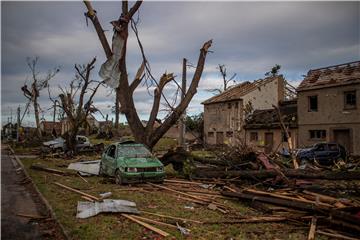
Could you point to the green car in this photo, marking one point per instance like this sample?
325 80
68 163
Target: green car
131 162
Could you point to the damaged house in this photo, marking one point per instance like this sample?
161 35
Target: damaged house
263 129
329 108
224 114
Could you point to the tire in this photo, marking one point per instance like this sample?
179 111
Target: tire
101 170
58 150
118 179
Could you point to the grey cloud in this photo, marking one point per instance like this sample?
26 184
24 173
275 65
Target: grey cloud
249 37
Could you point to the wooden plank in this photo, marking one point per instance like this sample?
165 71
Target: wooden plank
46 169
286 197
148 226
171 217
336 235
31 216
181 181
325 198
250 220
87 199
77 191
312 231
82 178
155 222
182 193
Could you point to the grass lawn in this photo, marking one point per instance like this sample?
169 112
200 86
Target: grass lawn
114 226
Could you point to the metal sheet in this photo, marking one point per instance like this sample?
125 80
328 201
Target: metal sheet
86 168
89 209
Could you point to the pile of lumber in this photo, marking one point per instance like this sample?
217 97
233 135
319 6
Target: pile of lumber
335 217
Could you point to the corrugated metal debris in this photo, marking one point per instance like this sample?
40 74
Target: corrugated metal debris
86 168
90 209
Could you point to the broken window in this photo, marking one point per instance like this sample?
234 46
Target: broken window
229 105
313 103
253 136
111 151
317 134
350 99
236 105
210 134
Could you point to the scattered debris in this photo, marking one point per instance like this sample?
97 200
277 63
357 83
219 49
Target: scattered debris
46 169
31 216
77 191
105 195
183 231
189 207
171 217
148 226
86 168
89 209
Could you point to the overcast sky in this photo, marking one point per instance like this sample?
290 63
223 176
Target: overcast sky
249 38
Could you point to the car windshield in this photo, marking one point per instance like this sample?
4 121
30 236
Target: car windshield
134 151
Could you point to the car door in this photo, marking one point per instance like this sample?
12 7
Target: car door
79 142
320 153
110 160
334 151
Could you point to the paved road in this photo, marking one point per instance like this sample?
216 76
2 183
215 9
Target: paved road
19 197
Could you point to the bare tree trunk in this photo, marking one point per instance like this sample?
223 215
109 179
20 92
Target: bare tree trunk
146 135
37 119
117 109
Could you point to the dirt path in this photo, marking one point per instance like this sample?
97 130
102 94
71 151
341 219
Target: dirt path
18 196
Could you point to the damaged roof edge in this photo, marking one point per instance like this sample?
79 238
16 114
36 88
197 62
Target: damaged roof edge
236 92
332 76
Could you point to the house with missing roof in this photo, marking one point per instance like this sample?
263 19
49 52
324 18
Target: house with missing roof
329 106
263 130
225 114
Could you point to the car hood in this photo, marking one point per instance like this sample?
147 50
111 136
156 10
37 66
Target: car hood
55 141
142 162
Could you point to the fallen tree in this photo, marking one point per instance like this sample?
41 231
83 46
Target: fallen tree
290 173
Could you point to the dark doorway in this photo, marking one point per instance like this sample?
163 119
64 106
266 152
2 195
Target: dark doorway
219 138
342 136
269 142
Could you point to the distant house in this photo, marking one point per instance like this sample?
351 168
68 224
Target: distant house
224 114
48 126
90 126
104 125
329 106
263 130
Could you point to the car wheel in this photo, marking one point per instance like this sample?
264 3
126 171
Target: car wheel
58 150
118 179
101 170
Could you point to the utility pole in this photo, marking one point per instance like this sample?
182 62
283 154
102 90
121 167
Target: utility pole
18 124
11 115
182 119
54 114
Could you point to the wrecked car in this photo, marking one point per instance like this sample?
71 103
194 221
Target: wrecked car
323 153
131 162
58 144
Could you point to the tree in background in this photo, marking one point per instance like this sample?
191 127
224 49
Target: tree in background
83 89
226 81
38 84
195 124
274 71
